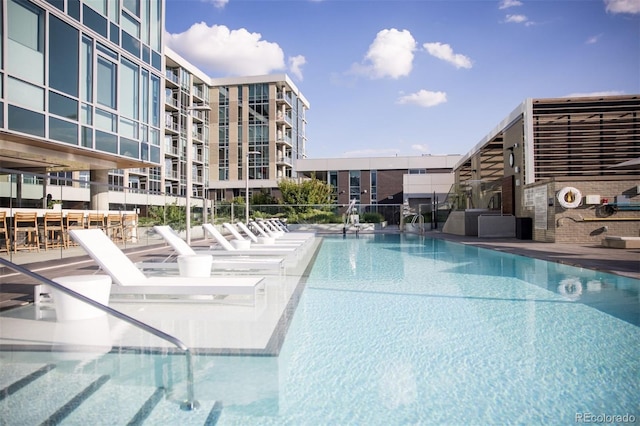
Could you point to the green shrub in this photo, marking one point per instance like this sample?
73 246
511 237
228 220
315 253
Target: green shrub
371 217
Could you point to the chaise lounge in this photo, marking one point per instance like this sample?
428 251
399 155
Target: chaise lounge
129 280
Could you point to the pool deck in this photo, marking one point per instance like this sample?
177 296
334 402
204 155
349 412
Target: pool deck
226 328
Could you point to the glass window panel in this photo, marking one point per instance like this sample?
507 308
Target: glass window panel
63 56
25 94
94 20
25 44
131 44
144 21
146 54
155 155
114 11
104 49
128 128
87 137
106 83
86 70
156 60
129 148
106 120
144 152
99 6
59 4
63 106
144 105
1 114
155 101
155 25
132 6
86 114
129 89
155 137
25 121
63 131
106 142
114 34
130 25
73 9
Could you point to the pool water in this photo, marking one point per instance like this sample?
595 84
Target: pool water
402 329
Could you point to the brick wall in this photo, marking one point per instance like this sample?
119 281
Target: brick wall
591 223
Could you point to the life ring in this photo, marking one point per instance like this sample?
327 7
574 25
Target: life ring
569 197
570 288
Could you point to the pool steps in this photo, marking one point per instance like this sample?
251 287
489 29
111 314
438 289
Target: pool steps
88 398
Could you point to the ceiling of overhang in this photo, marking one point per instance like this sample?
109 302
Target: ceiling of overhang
31 155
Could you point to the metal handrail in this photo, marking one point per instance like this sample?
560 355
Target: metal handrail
190 403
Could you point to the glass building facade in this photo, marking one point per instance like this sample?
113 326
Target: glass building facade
84 78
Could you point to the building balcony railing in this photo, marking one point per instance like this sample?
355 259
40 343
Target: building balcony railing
284 97
284 160
284 118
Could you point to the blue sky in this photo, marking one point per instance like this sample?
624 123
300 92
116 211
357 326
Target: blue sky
401 77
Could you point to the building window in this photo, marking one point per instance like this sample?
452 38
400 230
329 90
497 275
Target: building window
25 47
107 72
354 185
374 187
61 178
63 57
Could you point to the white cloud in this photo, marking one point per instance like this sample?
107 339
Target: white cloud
505 4
423 98
445 52
518 19
594 39
594 94
622 6
219 4
295 65
390 55
219 50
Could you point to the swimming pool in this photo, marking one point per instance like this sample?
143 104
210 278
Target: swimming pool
395 329
390 329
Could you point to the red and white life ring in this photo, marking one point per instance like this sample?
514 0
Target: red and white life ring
569 197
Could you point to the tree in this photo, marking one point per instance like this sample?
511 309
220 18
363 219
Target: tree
304 195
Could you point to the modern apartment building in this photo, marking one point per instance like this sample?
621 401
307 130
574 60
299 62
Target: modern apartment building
258 119
81 92
260 131
84 87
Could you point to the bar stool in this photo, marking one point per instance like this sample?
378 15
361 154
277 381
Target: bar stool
26 223
130 227
54 231
73 221
95 220
4 232
115 231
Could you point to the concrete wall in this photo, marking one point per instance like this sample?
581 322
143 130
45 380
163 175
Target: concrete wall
496 226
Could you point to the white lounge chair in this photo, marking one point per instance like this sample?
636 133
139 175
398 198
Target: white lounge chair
230 263
280 226
129 280
228 248
262 242
267 232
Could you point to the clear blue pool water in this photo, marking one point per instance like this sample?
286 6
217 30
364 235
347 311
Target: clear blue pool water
395 329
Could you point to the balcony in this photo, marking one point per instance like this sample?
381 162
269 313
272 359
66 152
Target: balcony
171 76
284 140
284 118
284 160
284 97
